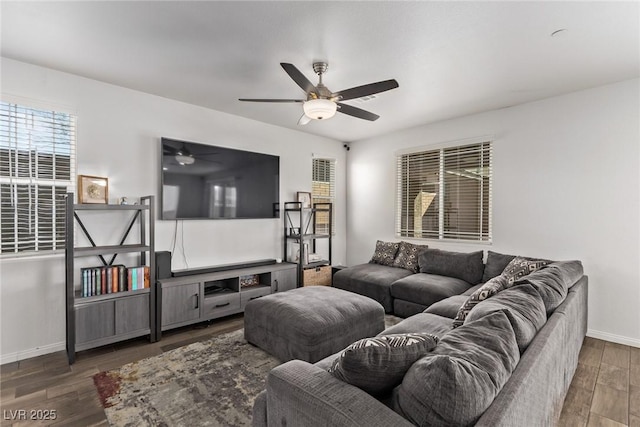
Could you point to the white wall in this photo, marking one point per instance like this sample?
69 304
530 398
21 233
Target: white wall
118 137
566 186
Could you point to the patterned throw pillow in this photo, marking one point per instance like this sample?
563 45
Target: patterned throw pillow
378 364
385 253
407 256
490 288
520 267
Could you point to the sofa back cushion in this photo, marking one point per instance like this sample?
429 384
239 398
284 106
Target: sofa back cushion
517 268
456 382
378 364
524 308
465 266
495 265
553 282
385 253
407 256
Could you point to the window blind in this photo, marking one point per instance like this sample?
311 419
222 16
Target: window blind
445 193
37 169
323 183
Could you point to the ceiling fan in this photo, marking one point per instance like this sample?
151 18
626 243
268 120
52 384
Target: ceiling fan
321 103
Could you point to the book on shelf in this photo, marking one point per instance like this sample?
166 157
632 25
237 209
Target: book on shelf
122 281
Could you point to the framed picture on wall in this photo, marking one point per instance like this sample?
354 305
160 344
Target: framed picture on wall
93 189
304 198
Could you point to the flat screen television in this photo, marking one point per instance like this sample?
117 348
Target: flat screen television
200 181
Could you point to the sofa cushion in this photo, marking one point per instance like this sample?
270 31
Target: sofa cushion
425 289
385 253
421 322
407 256
487 290
553 281
378 364
465 266
495 265
371 280
404 309
472 289
523 306
447 307
520 267
457 381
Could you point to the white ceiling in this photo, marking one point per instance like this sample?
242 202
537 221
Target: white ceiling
450 58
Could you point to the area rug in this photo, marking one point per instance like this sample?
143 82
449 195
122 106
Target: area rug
209 383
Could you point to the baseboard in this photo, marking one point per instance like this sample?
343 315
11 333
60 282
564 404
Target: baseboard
613 338
27 354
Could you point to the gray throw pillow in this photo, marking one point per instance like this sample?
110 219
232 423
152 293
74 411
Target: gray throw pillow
524 308
454 384
464 266
487 290
495 265
521 266
407 256
378 364
385 253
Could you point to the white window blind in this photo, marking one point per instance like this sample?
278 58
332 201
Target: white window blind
37 168
323 184
445 193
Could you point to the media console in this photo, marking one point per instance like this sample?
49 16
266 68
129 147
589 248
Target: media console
223 267
197 295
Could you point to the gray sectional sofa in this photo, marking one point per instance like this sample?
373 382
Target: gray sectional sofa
509 364
439 275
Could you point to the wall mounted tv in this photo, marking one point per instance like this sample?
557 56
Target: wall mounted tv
200 181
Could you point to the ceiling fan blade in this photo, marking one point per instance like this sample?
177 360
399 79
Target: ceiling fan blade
366 90
357 112
271 100
298 77
304 119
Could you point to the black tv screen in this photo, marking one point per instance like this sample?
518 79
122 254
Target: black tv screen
200 181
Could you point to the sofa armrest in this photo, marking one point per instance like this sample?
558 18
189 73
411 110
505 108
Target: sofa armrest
301 394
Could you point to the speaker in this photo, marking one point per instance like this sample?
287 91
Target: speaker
163 265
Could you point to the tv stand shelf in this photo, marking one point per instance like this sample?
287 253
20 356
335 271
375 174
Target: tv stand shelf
195 298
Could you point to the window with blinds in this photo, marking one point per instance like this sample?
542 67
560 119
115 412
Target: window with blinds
323 183
37 168
445 193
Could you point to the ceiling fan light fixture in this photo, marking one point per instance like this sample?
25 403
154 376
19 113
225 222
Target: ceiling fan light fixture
319 109
184 160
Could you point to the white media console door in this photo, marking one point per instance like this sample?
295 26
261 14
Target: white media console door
195 298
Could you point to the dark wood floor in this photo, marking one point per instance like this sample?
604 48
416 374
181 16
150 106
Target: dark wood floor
49 383
605 390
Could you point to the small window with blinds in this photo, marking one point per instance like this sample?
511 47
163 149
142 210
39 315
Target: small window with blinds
323 183
445 193
37 168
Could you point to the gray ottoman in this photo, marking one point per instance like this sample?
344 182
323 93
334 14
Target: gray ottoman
310 323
